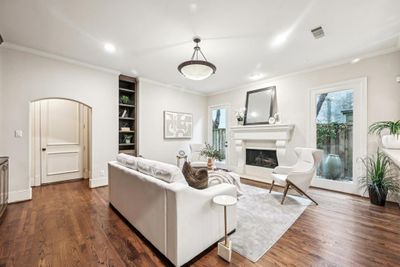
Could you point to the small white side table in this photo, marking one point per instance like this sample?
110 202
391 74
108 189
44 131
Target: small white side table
225 247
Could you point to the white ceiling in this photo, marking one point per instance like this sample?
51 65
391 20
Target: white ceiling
153 36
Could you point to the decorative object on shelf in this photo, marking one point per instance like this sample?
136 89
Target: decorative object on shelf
271 120
127 138
124 113
125 129
177 125
333 167
391 140
225 246
124 99
195 68
260 106
212 154
380 178
240 116
277 118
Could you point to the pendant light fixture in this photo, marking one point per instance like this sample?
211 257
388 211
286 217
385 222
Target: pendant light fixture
197 68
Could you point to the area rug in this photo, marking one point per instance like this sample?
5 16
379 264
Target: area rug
262 220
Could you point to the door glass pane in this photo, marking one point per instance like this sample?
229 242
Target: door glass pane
335 134
219 130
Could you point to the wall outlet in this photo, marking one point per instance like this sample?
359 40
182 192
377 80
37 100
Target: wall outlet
102 173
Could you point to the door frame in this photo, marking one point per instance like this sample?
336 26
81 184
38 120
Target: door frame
360 131
35 153
227 106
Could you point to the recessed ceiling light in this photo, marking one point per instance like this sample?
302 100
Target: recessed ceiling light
110 48
134 72
355 60
256 76
193 7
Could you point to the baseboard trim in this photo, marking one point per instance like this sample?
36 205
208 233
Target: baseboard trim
97 182
20 195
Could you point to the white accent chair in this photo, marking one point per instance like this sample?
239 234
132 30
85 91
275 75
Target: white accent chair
197 161
298 176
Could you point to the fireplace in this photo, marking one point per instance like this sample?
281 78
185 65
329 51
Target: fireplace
264 158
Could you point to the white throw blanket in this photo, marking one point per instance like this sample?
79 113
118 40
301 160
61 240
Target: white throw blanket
219 177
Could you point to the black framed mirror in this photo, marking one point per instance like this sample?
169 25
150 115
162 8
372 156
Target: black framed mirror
260 105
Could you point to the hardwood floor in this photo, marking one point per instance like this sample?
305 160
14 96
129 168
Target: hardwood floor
71 225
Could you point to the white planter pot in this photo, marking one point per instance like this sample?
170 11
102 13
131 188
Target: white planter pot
391 141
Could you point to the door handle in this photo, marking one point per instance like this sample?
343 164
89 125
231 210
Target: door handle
44 149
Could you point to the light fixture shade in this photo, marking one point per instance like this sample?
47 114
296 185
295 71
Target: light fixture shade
197 69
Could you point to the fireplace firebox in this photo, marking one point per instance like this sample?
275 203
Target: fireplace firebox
261 158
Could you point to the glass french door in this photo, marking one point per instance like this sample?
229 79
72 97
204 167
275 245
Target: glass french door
218 132
338 128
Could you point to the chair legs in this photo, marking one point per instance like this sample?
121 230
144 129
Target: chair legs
272 185
285 192
301 192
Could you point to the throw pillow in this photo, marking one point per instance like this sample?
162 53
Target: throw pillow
196 178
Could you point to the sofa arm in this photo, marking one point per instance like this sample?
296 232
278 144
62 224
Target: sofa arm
194 222
220 189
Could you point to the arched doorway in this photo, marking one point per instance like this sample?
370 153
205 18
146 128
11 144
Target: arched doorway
60 140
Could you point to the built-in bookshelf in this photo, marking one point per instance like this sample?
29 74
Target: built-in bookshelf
127 106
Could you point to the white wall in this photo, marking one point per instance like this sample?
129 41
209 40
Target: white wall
293 94
28 77
154 99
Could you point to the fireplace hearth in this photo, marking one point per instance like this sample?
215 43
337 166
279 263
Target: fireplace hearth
264 158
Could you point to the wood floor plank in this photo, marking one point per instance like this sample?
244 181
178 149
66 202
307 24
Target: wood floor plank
71 225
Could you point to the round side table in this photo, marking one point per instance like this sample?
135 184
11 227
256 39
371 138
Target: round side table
225 247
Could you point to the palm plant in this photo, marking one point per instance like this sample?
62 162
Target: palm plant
379 178
379 126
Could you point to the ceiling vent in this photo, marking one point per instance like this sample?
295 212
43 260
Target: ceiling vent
318 32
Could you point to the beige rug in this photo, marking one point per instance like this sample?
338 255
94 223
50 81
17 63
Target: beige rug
262 220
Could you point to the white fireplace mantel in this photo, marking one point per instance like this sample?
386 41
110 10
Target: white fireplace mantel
277 135
277 132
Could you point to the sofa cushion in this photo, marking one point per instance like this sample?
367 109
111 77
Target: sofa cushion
196 178
127 161
163 171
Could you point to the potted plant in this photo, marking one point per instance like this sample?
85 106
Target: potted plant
127 138
212 154
391 140
379 178
240 116
124 99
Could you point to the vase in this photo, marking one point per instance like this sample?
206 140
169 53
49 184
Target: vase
127 141
333 167
391 141
375 198
210 164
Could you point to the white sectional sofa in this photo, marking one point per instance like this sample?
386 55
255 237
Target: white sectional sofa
178 220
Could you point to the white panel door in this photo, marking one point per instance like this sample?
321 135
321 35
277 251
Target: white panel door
61 141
